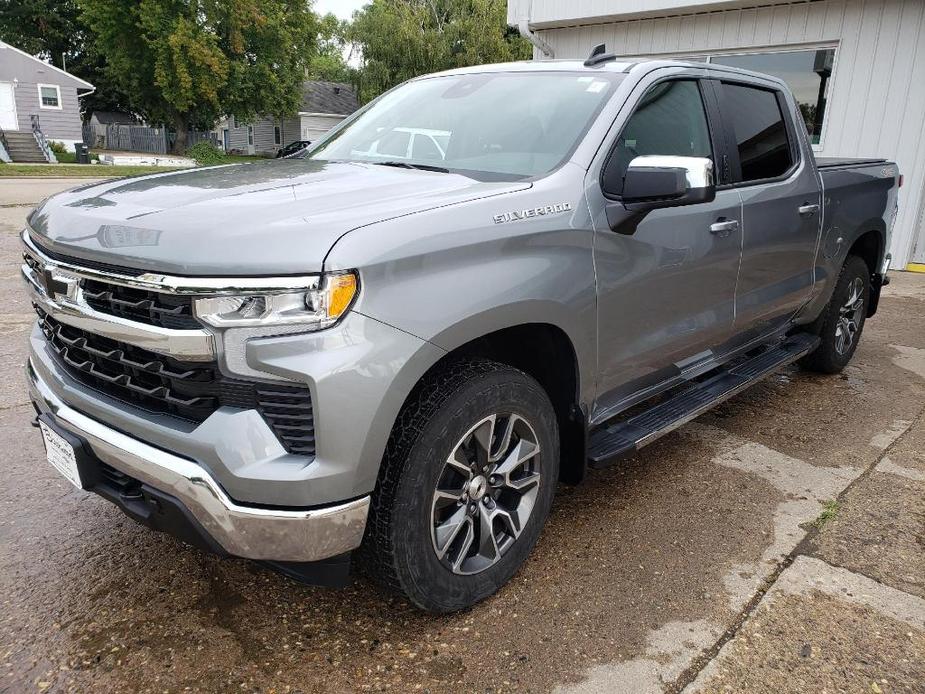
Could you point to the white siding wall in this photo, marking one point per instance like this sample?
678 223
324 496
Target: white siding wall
877 95
264 142
313 127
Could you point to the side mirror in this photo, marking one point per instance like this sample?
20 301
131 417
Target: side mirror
657 181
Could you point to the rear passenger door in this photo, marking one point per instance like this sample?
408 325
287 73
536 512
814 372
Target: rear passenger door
771 166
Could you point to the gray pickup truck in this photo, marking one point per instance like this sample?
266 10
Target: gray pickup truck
389 352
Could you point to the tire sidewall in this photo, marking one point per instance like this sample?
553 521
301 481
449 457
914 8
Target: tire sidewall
424 578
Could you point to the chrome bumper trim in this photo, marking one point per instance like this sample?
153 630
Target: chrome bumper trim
243 531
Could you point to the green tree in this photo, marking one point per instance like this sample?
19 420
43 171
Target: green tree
53 31
185 63
49 29
400 39
328 62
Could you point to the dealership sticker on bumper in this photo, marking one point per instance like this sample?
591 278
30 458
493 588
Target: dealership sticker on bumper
61 455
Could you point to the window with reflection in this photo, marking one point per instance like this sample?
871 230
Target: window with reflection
807 73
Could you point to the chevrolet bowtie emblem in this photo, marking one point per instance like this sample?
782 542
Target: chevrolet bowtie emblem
59 287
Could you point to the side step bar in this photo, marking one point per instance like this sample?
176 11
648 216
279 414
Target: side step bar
609 443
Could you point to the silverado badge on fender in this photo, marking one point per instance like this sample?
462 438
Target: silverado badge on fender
520 215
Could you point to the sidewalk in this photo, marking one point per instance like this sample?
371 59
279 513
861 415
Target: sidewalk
848 614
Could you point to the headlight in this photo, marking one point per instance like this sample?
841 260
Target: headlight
317 307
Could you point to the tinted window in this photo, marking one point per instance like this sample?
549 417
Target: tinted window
760 133
807 73
670 119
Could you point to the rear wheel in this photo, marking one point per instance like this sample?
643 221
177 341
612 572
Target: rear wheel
467 483
842 321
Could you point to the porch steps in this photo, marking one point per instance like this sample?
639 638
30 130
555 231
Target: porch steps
22 147
626 436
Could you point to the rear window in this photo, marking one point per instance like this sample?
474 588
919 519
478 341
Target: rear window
760 131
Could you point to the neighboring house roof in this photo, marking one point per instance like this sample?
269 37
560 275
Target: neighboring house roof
14 62
113 118
328 97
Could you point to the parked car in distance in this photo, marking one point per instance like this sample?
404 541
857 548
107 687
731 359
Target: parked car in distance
379 358
292 148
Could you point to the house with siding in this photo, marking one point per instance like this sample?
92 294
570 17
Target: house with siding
857 68
324 105
34 94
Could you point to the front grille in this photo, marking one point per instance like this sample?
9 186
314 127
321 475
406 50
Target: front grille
189 390
140 305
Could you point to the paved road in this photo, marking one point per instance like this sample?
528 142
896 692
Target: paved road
649 577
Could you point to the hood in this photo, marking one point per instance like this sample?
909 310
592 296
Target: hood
270 218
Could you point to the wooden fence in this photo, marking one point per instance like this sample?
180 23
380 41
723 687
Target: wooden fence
140 138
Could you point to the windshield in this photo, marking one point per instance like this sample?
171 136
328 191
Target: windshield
502 124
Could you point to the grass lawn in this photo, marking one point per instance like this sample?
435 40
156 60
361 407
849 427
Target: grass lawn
78 170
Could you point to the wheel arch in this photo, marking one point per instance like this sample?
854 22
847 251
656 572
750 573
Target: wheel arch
544 351
869 246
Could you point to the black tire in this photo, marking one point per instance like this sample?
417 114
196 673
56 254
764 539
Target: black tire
400 546
832 355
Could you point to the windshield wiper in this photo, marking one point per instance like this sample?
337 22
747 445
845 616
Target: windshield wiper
409 165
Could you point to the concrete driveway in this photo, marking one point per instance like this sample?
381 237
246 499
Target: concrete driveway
775 544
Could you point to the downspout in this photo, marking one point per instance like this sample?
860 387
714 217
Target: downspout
523 26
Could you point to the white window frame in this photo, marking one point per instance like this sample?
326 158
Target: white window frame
250 135
57 89
708 53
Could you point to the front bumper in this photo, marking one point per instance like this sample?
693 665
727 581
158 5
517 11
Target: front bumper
261 533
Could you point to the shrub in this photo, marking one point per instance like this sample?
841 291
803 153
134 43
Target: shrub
206 154
57 147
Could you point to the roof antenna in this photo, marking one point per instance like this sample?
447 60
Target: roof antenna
599 55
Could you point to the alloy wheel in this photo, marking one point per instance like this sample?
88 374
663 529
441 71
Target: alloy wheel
849 317
485 493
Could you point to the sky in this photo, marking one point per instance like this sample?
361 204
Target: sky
342 8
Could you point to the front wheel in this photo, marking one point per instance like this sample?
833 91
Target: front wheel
466 485
842 321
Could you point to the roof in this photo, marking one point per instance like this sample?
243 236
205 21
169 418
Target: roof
612 66
113 117
17 56
328 97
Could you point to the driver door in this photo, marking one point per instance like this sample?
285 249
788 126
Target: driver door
666 279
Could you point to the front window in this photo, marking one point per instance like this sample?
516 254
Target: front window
488 125
50 96
807 73
669 119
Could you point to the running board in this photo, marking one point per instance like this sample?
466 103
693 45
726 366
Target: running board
610 443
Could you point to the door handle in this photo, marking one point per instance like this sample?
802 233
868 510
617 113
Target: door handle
724 227
808 210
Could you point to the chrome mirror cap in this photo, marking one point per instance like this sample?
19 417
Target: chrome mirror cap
697 170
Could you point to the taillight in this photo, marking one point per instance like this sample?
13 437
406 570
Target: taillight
900 180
